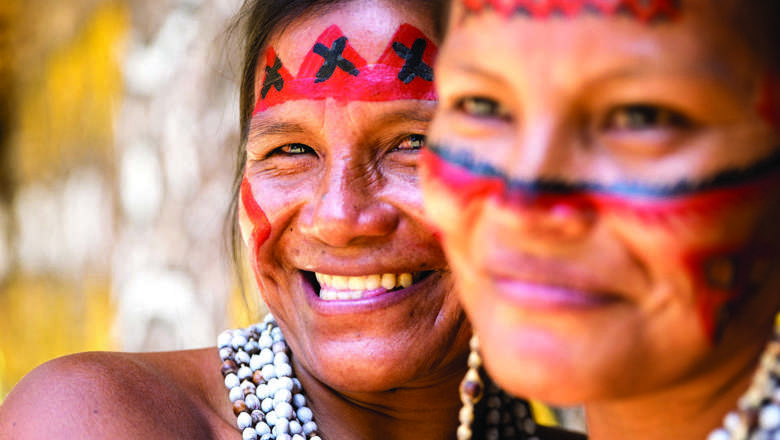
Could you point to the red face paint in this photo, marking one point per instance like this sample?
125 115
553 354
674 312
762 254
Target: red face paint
721 275
261 228
642 10
769 100
333 69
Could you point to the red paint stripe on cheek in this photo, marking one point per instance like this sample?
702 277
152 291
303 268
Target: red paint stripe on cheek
463 185
261 228
769 100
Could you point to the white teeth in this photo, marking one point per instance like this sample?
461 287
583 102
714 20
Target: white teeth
357 283
340 283
405 280
388 281
339 287
373 282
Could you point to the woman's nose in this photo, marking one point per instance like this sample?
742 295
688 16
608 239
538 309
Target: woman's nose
347 208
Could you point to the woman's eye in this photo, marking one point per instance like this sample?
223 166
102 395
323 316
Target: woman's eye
293 149
482 107
644 117
412 143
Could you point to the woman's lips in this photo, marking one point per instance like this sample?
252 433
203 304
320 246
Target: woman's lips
344 288
547 284
537 295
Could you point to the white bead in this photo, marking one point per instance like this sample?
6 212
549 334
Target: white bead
281 358
283 437
268 319
244 420
270 418
236 393
298 437
296 385
719 434
267 405
276 334
266 356
232 381
305 415
251 347
299 400
732 421
224 339
283 396
265 341
268 436
263 391
225 353
316 437
284 409
248 387
268 371
244 373
242 357
283 370
295 427
262 428
249 434
309 427
238 341
273 386
282 426
285 383
252 402
769 418
255 363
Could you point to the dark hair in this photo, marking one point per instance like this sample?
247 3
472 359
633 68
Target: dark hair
255 22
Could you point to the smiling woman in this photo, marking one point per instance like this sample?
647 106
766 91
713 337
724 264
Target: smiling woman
615 169
366 338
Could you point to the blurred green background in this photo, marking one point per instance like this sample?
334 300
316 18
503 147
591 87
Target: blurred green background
118 121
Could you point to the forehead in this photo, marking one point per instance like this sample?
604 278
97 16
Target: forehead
693 35
369 25
643 10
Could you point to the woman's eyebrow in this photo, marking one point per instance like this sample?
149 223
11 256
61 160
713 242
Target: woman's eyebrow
417 114
269 127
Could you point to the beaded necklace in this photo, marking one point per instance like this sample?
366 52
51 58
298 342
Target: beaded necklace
269 403
757 416
267 399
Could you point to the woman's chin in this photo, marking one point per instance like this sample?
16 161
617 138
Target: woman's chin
537 364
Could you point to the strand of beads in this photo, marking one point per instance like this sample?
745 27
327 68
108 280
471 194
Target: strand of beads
758 413
471 390
505 416
267 399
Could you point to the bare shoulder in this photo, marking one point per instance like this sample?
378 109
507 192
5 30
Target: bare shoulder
125 395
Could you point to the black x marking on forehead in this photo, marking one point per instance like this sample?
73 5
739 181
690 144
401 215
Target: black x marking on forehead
272 78
414 65
333 59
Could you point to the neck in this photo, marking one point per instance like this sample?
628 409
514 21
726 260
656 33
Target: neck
426 410
690 409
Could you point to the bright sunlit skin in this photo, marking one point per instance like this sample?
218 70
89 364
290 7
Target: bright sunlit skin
331 185
606 186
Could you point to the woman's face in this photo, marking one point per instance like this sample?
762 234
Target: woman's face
330 205
606 186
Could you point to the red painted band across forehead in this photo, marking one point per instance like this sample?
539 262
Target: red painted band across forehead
643 10
333 69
